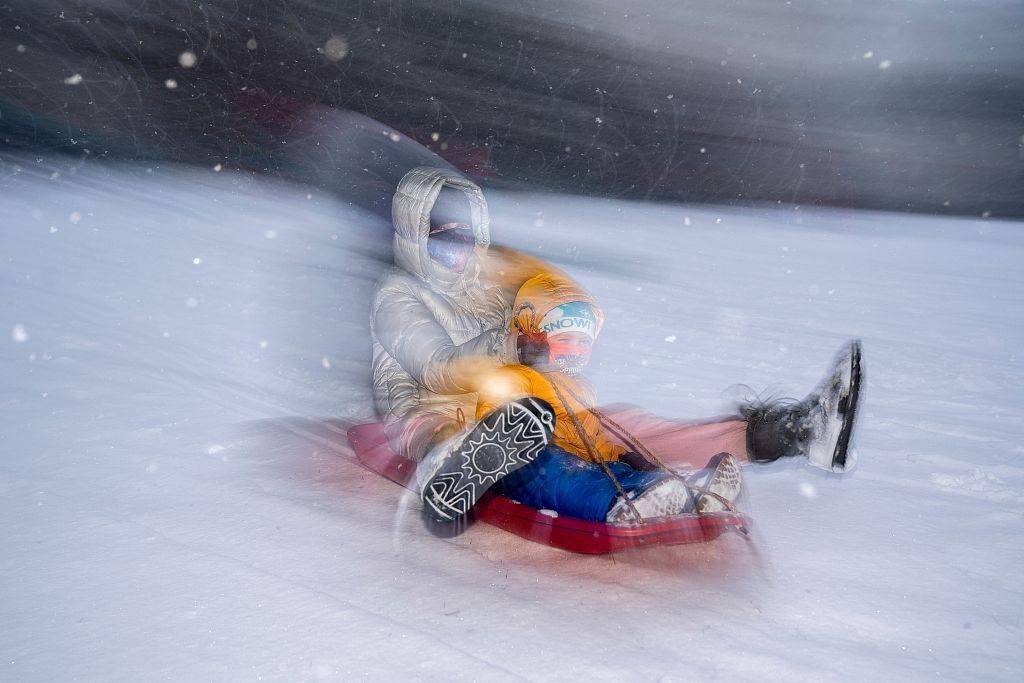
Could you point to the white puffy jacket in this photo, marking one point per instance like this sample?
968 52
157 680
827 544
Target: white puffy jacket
426 320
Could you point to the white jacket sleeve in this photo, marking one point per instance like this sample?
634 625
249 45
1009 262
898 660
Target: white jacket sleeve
405 326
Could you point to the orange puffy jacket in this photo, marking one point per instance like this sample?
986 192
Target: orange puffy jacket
569 396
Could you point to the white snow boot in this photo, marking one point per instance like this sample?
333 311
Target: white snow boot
820 427
716 487
712 489
665 498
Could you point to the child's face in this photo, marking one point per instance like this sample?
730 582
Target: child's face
569 351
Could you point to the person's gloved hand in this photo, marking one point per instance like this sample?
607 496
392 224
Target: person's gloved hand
532 348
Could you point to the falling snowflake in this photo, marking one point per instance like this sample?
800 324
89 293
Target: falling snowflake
187 59
73 79
18 334
336 48
171 84
885 64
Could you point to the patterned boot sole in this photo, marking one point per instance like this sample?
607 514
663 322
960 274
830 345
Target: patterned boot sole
506 440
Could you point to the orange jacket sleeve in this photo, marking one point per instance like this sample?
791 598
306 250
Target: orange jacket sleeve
516 381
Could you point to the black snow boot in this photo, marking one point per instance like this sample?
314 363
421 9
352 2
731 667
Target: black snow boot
459 472
819 427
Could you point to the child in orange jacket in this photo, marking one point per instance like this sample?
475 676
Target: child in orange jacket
586 472
539 438
582 470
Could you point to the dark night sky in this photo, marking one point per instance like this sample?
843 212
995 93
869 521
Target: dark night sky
894 105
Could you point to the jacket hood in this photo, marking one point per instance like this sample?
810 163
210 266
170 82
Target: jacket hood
410 211
543 292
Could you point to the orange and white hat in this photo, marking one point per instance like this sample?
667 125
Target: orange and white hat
572 316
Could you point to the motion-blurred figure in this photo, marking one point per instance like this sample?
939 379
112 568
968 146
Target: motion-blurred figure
478 374
435 322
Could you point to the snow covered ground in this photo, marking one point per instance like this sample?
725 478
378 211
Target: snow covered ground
183 349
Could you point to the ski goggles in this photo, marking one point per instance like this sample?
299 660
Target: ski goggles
451 247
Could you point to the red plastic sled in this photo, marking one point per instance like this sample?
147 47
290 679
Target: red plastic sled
568 533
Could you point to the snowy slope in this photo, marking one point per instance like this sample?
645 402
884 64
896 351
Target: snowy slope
183 350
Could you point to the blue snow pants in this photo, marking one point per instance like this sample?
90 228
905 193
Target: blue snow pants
558 480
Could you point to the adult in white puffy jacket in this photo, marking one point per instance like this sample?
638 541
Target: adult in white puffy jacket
435 321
